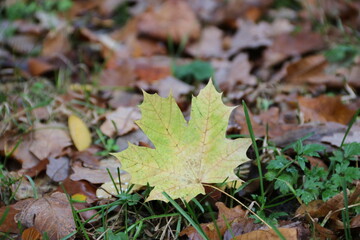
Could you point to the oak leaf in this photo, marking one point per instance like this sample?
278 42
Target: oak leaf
186 154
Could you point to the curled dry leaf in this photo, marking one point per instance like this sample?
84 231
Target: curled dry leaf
49 140
121 121
79 133
173 19
50 214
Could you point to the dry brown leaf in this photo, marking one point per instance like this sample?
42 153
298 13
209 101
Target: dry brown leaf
22 152
121 121
232 76
210 44
121 75
56 42
9 225
49 140
250 35
38 66
82 187
151 73
288 233
289 45
31 234
50 214
58 168
167 85
311 208
355 221
99 175
325 109
225 217
173 19
79 132
124 99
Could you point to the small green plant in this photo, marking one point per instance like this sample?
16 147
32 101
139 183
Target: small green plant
316 182
343 54
193 72
24 9
109 144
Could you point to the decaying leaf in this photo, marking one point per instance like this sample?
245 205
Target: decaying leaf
186 154
79 133
50 214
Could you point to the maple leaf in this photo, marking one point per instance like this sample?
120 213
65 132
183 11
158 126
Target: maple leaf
186 154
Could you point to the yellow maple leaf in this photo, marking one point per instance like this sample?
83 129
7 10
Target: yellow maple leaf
186 154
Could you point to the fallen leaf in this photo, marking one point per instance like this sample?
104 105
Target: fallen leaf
250 35
22 153
210 44
151 73
225 218
309 69
325 109
173 19
137 137
56 42
290 45
31 234
233 76
124 99
49 140
50 214
38 66
79 187
355 221
185 152
121 121
8 225
167 85
99 175
58 168
79 133
288 233
121 75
